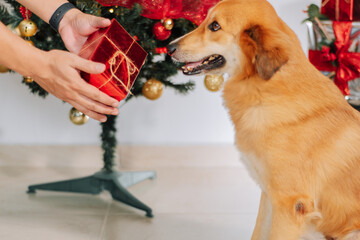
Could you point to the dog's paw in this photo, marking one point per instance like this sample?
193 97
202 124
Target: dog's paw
311 234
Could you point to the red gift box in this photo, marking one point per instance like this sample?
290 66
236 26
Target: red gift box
121 54
341 10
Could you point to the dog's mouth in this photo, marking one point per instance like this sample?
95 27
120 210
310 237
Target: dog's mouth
209 63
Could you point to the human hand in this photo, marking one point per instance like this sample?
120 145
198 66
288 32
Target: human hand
59 75
76 27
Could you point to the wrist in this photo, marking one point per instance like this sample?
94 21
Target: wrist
35 66
59 14
29 63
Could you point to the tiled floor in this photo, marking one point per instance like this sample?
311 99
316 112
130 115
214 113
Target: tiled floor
200 193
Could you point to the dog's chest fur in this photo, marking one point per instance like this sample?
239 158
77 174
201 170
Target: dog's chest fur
255 168
249 124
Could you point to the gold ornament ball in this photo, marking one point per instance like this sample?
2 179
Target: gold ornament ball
28 79
168 23
27 28
3 69
77 117
152 89
14 30
214 83
30 42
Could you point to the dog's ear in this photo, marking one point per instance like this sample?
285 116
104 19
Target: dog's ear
263 50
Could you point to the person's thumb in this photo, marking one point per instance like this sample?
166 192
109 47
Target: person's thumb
99 22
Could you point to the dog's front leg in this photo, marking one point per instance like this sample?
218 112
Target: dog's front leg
263 220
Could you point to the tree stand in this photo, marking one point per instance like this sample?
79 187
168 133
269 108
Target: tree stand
106 179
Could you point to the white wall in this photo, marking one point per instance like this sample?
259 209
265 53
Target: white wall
198 118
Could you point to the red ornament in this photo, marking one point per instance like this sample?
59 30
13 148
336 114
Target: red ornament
160 32
161 50
25 13
195 11
135 38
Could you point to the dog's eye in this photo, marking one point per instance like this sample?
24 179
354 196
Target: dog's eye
214 26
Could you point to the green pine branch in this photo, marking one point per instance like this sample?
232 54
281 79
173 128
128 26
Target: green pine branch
9 16
314 12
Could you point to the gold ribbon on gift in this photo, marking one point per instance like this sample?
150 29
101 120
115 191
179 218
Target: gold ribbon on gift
130 66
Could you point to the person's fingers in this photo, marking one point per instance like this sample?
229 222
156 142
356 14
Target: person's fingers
97 106
87 65
99 22
92 114
70 87
86 89
95 94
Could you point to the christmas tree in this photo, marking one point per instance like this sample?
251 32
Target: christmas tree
152 34
153 24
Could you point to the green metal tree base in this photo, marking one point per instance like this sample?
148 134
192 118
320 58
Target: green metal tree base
113 181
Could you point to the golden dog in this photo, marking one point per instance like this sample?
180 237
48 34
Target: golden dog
300 137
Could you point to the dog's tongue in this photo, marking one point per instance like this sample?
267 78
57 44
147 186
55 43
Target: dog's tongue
193 64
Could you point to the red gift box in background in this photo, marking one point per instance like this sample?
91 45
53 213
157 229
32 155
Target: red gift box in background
341 10
121 54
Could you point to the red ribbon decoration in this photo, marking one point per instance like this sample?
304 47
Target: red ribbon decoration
348 62
193 10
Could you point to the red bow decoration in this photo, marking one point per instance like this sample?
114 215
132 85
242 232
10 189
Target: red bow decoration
161 50
327 55
193 10
348 63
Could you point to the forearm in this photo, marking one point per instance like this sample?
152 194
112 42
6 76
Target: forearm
42 8
17 54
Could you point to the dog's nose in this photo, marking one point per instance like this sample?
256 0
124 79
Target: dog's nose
171 48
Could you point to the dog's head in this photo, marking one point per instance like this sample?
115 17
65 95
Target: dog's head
238 37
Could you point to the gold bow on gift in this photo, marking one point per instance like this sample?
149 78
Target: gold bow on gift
130 66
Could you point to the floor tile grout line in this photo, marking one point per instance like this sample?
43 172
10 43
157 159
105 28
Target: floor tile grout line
105 221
